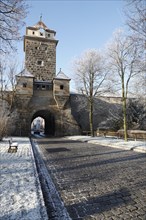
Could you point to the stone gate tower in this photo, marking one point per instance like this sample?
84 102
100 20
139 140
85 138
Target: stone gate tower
40 51
39 90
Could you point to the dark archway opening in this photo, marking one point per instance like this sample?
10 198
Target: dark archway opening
48 124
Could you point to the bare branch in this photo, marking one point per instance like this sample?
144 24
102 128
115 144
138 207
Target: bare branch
90 76
12 14
135 11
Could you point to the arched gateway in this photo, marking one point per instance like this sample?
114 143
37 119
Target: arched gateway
39 90
49 121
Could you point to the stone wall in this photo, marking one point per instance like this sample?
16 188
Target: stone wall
61 87
24 85
44 105
37 51
108 112
102 110
70 119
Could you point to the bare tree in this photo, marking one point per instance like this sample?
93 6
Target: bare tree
125 64
2 80
3 119
138 86
12 71
12 14
90 77
8 71
136 113
135 11
3 104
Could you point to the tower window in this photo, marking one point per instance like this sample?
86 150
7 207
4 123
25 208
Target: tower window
38 87
43 87
41 34
40 63
33 32
24 85
49 35
61 87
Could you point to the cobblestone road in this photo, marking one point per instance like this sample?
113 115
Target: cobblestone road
97 182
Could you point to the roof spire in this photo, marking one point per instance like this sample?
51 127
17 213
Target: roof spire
41 17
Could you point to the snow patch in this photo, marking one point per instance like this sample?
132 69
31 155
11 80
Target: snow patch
20 192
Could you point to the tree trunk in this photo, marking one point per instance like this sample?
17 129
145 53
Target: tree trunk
125 119
124 111
91 116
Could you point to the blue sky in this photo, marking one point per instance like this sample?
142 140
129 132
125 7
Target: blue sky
80 25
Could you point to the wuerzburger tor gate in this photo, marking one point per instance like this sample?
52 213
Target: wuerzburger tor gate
40 92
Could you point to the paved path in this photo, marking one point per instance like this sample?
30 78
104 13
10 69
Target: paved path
138 146
97 182
20 192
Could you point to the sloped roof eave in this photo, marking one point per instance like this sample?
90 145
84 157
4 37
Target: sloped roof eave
25 73
62 76
57 78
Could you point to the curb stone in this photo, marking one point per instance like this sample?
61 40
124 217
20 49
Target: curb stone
53 200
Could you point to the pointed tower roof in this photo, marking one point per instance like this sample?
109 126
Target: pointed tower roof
41 25
61 75
25 73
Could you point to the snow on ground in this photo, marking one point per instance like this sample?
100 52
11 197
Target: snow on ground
139 146
20 192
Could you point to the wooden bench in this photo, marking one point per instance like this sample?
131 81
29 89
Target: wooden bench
13 146
102 131
87 133
136 134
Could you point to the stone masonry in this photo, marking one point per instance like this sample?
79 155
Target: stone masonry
40 92
35 51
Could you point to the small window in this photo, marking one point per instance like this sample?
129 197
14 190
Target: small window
40 63
33 32
24 85
49 87
41 34
43 87
36 48
49 35
61 87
